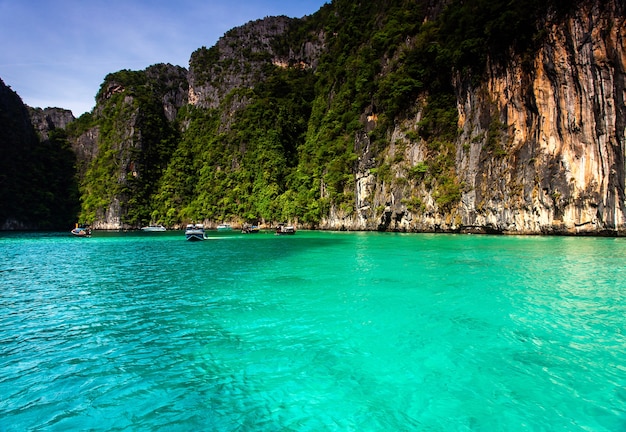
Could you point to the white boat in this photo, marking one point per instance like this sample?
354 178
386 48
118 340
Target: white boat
195 232
283 229
224 227
154 228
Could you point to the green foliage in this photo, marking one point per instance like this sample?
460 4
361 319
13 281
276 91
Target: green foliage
448 191
473 30
58 188
41 190
81 125
418 171
245 172
414 204
202 62
440 118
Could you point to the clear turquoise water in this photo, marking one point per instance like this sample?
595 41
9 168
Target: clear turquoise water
314 332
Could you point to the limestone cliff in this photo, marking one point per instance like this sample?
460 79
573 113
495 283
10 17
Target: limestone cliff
236 61
126 145
562 133
541 150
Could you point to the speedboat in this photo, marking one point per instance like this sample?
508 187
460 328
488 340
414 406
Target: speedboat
153 228
224 227
195 232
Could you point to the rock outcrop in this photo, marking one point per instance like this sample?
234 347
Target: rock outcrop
134 137
239 58
47 119
561 131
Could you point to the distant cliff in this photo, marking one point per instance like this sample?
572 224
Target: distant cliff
38 187
409 115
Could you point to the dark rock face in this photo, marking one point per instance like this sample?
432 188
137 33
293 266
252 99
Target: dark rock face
37 178
18 133
86 148
17 139
173 87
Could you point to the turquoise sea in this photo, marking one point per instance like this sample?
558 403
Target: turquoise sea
321 331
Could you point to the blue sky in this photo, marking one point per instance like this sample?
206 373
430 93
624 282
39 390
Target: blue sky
56 53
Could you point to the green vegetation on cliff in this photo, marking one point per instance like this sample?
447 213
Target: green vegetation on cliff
243 171
135 144
285 147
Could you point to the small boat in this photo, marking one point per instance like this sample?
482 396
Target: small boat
81 231
195 232
250 229
283 229
224 227
154 228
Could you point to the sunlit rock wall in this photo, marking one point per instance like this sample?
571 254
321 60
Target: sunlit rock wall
540 151
561 134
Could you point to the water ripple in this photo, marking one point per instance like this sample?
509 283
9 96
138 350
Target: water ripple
320 331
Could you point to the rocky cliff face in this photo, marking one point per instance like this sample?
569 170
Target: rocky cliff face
173 87
239 58
562 133
236 61
540 150
131 139
45 120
